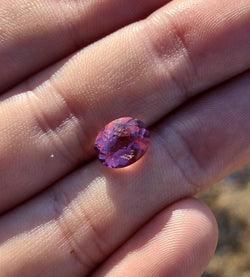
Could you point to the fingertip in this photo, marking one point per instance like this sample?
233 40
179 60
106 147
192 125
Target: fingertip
177 242
196 231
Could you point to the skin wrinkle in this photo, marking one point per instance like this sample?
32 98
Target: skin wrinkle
186 179
66 208
74 119
195 161
160 54
59 204
45 129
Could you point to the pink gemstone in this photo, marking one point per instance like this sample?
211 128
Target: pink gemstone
122 142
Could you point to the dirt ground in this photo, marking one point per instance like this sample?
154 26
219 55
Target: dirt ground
230 202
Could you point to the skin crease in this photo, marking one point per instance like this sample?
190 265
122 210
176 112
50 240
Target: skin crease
183 70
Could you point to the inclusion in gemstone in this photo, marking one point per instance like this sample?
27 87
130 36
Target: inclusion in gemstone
122 142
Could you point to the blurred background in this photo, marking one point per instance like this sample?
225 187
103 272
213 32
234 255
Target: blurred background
230 202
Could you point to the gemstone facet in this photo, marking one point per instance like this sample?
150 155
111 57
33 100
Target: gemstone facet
122 142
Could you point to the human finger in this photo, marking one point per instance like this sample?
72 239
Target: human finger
93 211
35 34
144 71
177 242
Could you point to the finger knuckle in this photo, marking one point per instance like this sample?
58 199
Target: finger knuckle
78 231
169 52
187 169
55 123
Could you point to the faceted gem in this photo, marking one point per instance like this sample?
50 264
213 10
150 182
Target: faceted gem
122 142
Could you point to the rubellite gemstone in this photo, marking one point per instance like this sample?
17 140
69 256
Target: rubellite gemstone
122 142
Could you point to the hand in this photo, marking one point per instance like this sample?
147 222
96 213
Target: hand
184 71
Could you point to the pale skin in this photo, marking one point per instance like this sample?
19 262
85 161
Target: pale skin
68 68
